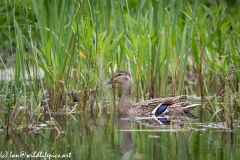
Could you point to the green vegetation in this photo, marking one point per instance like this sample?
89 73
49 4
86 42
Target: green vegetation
167 46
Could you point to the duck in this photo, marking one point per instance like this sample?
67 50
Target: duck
158 106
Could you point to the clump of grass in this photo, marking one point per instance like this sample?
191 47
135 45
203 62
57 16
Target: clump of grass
165 45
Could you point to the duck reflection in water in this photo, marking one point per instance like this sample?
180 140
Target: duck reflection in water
161 122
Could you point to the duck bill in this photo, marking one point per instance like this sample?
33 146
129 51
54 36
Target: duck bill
111 81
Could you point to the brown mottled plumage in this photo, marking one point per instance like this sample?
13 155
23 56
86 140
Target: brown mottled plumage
157 106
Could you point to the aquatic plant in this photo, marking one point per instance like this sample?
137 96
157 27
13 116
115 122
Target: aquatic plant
167 47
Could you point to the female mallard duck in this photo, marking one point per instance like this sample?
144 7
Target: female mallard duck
157 106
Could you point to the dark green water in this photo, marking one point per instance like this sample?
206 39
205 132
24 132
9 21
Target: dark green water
104 136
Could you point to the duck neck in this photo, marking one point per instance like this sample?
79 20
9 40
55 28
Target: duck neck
125 101
127 89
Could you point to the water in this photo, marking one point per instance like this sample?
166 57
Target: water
107 136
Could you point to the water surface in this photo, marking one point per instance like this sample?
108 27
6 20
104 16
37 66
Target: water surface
108 136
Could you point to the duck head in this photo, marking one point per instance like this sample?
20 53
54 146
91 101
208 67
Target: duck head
122 77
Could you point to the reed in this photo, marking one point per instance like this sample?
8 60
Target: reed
166 46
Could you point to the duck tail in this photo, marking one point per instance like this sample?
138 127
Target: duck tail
189 107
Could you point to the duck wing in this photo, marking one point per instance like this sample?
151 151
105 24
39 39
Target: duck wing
150 107
179 108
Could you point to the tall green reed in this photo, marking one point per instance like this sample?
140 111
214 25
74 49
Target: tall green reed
210 49
78 43
21 85
56 46
153 36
